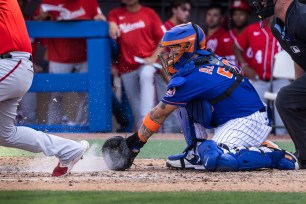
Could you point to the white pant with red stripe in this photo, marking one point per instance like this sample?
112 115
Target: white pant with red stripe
16 76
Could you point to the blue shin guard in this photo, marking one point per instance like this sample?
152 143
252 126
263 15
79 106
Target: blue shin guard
210 153
227 162
214 158
252 160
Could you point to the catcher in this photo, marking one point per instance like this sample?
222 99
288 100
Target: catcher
208 92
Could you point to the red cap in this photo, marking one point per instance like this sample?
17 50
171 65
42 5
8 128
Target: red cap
241 5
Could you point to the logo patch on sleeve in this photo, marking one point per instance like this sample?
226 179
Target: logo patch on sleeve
171 92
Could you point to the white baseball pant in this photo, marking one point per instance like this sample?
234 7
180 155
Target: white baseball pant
16 76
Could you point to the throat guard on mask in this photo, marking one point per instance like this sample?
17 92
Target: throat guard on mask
263 11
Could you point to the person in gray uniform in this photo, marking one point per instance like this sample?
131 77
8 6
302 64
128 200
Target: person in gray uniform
16 74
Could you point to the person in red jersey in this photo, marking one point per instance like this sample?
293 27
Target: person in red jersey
180 12
214 23
239 11
263 48
16 75
68 55
260 46
138 30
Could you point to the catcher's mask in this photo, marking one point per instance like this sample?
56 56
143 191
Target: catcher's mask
180 42
263 8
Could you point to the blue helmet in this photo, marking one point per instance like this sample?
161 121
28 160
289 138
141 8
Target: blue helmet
189 37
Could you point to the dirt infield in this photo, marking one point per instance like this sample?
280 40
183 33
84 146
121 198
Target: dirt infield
25 173
146 175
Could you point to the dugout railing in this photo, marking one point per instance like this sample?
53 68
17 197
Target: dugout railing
96 82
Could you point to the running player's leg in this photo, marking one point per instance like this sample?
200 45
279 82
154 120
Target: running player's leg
12 89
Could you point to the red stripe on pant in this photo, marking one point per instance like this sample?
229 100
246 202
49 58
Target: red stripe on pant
10 72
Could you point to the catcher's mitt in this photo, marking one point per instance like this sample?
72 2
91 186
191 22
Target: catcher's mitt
117 154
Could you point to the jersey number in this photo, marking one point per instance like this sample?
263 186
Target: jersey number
225 73
258 56
222 72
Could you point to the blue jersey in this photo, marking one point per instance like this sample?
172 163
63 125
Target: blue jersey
208 81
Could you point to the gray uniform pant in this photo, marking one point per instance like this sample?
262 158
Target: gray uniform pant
140 90
291 105
16 76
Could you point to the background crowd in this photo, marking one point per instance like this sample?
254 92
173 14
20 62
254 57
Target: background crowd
135 30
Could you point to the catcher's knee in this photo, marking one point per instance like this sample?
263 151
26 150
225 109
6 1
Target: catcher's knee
214 158
209 153
227 162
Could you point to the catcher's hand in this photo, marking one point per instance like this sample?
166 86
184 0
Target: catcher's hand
119 153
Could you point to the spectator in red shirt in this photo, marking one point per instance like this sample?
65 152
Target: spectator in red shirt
180 12
261 46
239 11
138 30
68 55
214 23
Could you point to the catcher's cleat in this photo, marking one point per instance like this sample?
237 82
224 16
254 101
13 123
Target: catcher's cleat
288 160
184 161
64 169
